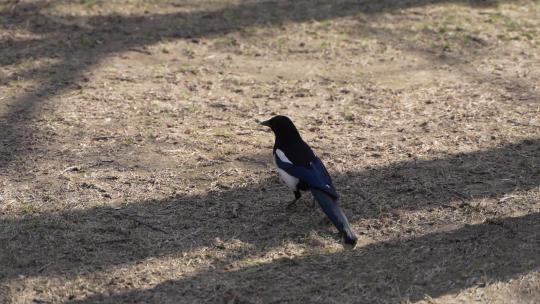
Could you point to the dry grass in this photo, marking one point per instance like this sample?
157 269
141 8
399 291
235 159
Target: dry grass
132 168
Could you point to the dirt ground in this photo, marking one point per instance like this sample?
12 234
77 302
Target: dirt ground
133 170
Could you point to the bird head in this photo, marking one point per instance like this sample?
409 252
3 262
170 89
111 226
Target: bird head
282 126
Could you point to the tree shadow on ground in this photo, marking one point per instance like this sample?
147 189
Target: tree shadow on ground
385 272
77 48
84 242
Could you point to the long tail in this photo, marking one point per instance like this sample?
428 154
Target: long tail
335 214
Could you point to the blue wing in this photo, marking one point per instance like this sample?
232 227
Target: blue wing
315 176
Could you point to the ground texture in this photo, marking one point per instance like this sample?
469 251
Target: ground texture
132 168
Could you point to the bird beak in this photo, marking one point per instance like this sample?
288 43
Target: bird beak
265 123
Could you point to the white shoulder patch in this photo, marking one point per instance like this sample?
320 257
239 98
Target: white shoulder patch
282 156
288 179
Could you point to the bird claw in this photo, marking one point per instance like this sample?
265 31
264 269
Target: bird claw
312 205
291 204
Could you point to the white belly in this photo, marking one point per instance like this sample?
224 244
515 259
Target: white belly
288 179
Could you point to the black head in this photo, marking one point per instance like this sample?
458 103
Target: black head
282 126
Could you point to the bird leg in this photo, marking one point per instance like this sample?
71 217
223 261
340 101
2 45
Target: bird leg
313 203
297 196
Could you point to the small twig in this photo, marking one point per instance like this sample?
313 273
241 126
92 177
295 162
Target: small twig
189 234
40 270
72 169
458 195
139 50
13 237
102 137
39 301
524 124
140 222
149 225
448 206
114 241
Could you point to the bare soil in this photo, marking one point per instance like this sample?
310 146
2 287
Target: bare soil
133 170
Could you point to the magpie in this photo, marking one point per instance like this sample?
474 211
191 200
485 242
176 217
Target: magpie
301 170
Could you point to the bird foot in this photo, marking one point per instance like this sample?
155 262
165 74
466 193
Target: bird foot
325 221
291 204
